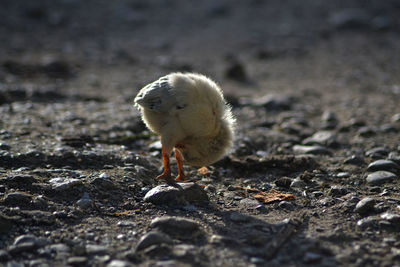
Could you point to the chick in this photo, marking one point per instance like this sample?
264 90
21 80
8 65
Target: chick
190 114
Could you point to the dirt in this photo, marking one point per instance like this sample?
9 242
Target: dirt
315 88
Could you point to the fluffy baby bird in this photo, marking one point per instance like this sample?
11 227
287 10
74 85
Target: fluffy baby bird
190 114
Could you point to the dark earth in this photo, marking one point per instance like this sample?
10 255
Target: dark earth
313 178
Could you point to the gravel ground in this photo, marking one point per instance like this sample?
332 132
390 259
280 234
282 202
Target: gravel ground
314 175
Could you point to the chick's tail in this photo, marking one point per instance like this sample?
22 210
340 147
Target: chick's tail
203 151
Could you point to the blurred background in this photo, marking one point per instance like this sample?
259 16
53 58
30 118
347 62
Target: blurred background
112 48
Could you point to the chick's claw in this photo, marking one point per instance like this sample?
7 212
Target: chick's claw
166 177
180 178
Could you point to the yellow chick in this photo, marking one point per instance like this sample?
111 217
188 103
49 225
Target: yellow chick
190 114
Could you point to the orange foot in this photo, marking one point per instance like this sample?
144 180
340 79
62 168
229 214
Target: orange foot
180 178
166 177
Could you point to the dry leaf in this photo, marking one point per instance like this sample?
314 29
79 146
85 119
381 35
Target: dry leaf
272 196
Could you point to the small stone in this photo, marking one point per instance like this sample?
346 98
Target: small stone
297 183
343 175
21 180
366 131
248 203
103 182
62 183
153 238
96 249
257 260
311 257
60 248
179 193
314 150
365 205
354 160
119 263
236 71
85 202
77 261
5 224
395 118
377 152
220 239
4 256
337 190
239 218
210 188
126 223
324 138
182 250
366 222
23 247
274 102
329 120
383 165
18 199
394 219
286 205
380 177
175 225
283 182
350 18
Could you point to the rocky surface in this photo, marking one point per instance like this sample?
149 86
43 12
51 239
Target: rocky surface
313 178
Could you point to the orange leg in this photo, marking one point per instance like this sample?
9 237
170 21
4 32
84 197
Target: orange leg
166 175
179 161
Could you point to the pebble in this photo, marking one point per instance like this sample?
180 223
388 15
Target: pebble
182 250
119 263
380 177
63 183
21 180
153 238
365 205
350 18
4 256
314 150
337 190
343 175
126 223
175 225
85 202
38 241
395 118
77 261
377 152
329 120
60 248
297 183
324 138
220 239
366 222
18 199
248 203
239 218
96 249
383 165
103 182
283 182
180 193
274 102
286 205
366 131
311 257
24 247
354 160
392 218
